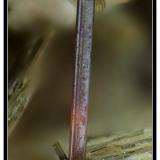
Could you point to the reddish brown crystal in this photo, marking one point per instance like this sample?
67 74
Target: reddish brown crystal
85 13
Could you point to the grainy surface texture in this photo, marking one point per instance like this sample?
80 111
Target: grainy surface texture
134 145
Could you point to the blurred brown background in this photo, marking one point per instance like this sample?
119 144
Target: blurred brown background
121 78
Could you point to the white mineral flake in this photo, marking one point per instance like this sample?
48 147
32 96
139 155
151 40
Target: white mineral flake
82 133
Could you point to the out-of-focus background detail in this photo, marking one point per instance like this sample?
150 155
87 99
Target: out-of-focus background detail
121 78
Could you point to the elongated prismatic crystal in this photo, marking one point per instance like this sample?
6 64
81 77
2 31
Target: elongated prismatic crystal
78 133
